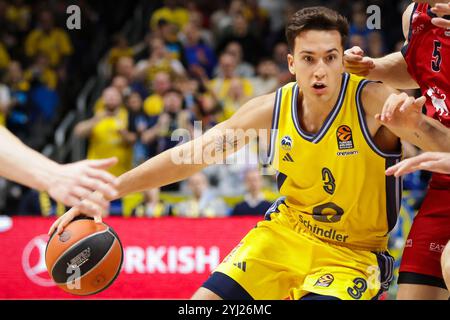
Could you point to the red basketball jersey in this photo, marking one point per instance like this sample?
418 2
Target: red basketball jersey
427 54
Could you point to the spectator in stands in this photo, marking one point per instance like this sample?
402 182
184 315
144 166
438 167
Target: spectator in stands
107 133
254 202
44 100
40 72
120 49
169 33
201 21
243 68
173 118
49 40
266 80
121 84
152 206
198 53
199 101
230 89
19 15
203 202
240 32
227 69
154 104
172 12
159 60
222 19
125 67
19 115
375 45
138 123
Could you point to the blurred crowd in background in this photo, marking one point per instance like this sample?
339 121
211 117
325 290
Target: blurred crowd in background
185 61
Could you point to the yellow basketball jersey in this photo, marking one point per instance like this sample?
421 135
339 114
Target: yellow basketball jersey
333 182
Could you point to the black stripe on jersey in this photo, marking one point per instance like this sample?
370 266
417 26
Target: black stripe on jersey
274 127
393 195
386 268
315 138
281 178
363 124
226 287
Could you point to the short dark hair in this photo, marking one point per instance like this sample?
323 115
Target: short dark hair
316 18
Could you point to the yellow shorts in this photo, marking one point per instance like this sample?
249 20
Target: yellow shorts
275 262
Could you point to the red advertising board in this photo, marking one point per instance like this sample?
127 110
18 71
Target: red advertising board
166 258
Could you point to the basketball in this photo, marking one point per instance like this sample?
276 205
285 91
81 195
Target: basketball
85 258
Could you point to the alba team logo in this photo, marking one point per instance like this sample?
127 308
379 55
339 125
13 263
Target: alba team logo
344 138
33 261
286 143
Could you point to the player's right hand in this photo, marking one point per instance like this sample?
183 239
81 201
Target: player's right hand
431 161
88 207
355 62
71 183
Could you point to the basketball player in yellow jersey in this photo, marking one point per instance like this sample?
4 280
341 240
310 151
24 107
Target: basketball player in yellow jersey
327 237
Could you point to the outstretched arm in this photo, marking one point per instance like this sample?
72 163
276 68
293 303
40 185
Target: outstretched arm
431 161
251 120
403 116
68 183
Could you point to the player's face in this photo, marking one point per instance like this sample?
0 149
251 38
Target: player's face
317 63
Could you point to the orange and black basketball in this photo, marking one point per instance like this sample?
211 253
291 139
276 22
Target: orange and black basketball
344 133
85 258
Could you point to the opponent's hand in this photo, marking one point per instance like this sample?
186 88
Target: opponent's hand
71 183
355 62
88 207
441 9
401 110
431 161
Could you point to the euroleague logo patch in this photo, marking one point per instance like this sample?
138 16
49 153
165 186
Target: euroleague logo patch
286 143
344 138
325 281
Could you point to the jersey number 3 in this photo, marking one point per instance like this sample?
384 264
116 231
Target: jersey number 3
437 57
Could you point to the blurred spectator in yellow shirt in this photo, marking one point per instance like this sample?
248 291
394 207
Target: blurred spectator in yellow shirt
49 40
120 49
172 12
121 84
230 89
108 133
19 15
154 104
41 72
159 60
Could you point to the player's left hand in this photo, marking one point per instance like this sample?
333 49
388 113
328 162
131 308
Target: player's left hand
441 10
431 161
88 207
401 110
71 183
